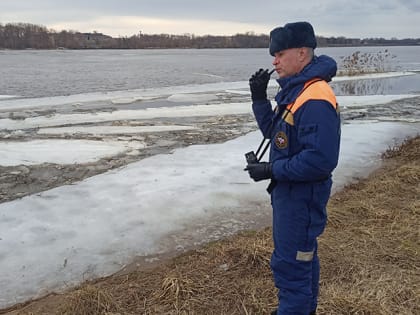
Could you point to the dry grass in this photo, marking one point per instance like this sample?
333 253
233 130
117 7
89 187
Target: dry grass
366 62
370 261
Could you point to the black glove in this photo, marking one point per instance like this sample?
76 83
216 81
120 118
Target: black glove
258 84
259 171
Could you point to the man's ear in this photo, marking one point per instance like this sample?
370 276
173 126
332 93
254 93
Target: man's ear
302 54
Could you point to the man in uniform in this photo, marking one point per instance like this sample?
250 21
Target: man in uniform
304 129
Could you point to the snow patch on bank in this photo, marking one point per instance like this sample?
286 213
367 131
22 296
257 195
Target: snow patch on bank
60 151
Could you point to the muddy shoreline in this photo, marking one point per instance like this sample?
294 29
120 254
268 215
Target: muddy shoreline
22 180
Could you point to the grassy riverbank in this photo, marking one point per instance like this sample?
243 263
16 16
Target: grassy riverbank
370 261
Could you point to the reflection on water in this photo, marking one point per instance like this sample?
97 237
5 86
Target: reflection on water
379 86
362 87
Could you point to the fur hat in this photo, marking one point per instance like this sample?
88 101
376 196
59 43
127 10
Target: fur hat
292 35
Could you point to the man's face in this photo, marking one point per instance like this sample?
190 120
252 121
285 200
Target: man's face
288 62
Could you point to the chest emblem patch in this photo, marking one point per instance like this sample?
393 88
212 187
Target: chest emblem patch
281 140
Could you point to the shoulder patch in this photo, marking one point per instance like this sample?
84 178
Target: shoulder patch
281 140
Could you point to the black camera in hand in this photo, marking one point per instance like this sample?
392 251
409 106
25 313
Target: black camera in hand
251 157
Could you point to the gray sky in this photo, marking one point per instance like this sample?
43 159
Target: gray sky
356 18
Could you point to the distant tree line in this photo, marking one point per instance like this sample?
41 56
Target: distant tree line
30 36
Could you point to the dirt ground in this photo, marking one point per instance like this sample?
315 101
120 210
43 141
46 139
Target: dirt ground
370 260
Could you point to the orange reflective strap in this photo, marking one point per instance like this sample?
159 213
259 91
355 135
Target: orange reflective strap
315 89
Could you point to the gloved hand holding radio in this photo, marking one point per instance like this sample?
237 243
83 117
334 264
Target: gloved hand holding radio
259 171
258 84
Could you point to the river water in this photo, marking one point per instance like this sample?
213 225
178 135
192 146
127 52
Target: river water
46 73
100 78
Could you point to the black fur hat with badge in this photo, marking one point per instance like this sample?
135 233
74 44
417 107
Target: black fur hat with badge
292 35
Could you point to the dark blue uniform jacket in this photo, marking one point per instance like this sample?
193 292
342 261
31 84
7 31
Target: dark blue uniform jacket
304 145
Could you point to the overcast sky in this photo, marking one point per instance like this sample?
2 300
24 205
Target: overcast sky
357 18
